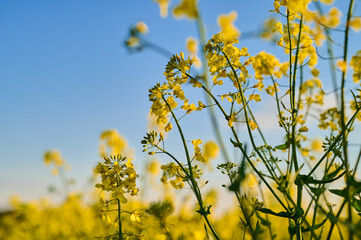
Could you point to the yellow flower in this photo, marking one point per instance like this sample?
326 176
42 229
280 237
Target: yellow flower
315 72
163 7
356 66
132 42
53 156
342 65
226 23
334 16
328 2
187 8
142 27
232 119
303 129
192 45
252 124
355 24
111 143
168 127
135 216
316 145
259 85
210 150
192 48
153 167
297 6
255 97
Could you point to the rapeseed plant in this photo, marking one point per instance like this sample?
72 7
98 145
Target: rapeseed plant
305 183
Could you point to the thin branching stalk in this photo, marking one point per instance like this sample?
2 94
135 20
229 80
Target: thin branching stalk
343 125
212 115
195 187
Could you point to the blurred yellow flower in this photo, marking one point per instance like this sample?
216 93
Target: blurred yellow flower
355 24
316 145
252 124
153 167
132 42
142 27
192 45
342 65
111 143
187 8
163 7
355 65
226 23
53 156
55 171
328 2
210 150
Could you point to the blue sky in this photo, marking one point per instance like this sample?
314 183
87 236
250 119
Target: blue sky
65 77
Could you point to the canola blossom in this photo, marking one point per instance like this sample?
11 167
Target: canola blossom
302 186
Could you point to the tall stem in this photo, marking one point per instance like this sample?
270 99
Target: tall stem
212 115
194 184
343 120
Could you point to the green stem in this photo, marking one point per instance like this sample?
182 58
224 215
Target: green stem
212 115
343 132
120 232
244 211
240 89
299 206
195 187
243 151
343 125
293 95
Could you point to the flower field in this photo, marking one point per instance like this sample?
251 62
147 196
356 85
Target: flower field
299 181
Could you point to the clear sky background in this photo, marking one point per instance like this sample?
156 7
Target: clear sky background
65 77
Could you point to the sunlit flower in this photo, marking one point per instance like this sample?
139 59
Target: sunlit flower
226 23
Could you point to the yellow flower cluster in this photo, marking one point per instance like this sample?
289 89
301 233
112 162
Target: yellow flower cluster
134 41
53 157
112 143
266 64
355 65
330 119
306 48
294 7
197 150
118 177
186 8
226 24
163 7
172 171
210 150
311 92
332 20
192 48
176 73
218 50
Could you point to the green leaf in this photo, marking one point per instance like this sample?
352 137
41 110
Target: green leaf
239 177
356 204
332 217
284 146
339 192
280 214
314 227
317 191
334 173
